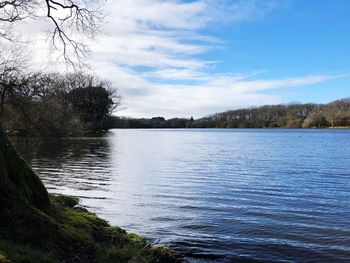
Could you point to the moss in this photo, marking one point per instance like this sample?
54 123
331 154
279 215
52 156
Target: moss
134 254
67 201
25 254
19 185
73 234
3 258
136 239
37 228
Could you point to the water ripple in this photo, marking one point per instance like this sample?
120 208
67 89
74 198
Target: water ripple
215 195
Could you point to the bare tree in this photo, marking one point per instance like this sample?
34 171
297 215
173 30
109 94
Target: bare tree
71 19
11 66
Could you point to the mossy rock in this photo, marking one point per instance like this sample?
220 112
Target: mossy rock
67 201
19 185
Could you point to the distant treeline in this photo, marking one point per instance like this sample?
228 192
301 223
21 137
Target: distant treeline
156 122
309 115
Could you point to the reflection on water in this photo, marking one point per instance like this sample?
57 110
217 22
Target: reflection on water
73 166
215 195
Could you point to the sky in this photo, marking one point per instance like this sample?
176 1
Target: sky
177 58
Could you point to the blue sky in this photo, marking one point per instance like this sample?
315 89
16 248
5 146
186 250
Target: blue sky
296 38
177 58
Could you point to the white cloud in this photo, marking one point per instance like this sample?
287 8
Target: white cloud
216 94
151 50
162 38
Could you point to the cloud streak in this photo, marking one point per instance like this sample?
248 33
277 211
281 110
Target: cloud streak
153 52
219 93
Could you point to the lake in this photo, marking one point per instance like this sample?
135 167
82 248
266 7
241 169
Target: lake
216 195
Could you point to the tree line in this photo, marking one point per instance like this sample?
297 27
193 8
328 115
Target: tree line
146 123
308 115
55 104
297 115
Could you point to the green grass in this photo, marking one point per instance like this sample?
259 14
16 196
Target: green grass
24 254
76 235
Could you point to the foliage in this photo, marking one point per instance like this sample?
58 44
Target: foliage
315 121
93 101
156 122
334 114
58 105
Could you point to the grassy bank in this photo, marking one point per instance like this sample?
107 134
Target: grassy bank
73 234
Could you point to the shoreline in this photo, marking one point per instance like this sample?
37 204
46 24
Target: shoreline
38 227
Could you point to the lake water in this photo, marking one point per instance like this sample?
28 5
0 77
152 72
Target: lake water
216 195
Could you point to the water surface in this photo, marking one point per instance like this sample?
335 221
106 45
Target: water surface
216 195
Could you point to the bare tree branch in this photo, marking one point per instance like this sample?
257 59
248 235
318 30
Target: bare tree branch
10 61
73 20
